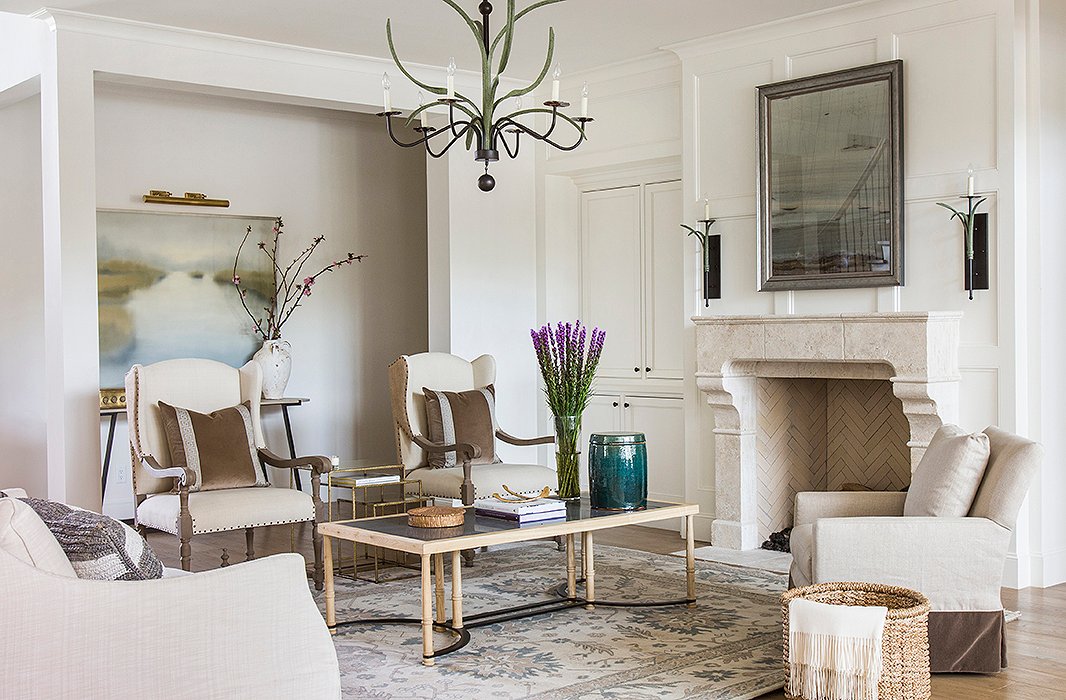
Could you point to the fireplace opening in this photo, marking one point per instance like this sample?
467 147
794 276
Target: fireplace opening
816 434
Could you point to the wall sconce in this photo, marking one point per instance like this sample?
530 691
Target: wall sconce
975 237
711 247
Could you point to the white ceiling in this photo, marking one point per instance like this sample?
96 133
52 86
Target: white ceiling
588 32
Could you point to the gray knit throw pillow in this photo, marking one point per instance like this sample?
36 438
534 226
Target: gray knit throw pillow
98 547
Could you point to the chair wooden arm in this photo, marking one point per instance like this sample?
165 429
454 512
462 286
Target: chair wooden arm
185 477
315 463
522 442
468 450
464 451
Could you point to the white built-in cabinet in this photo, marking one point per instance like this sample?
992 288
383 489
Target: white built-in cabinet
632 258
632 286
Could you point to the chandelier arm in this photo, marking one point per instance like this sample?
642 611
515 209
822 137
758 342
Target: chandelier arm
466 18
399 64
508 33
518 92
540 110
507 121
466 127
506 146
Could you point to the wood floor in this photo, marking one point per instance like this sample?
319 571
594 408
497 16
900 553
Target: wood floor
1036 644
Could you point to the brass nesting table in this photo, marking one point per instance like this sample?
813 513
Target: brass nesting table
393 532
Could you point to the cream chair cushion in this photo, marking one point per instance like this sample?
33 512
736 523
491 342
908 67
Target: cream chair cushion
228 509
946 480
488 479
25 536
801 542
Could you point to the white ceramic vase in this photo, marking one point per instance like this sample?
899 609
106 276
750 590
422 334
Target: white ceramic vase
275 359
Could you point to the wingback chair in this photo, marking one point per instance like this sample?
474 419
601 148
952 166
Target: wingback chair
957 562
443 372
161 488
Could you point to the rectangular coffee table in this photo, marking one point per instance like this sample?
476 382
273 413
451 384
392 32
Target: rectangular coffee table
393 532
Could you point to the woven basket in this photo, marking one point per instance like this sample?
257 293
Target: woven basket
435 516
905 645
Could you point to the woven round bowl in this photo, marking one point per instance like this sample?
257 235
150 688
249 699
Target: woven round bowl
435 516
905 644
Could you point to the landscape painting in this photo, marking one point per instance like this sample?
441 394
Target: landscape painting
166 291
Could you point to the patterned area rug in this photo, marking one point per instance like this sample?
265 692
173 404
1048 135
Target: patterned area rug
728 646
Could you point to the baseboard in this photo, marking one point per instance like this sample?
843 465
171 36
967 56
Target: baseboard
1046 568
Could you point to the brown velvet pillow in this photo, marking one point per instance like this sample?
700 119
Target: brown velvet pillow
462 416
219 446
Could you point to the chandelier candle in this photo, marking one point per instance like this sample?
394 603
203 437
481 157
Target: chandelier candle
475 120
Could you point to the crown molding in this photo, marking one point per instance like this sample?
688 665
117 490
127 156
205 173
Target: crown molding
229 44
859 11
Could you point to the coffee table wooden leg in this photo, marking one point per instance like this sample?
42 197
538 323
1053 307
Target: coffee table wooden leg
427 613
571 569
590 571
457 591
331 609
690 558
438 577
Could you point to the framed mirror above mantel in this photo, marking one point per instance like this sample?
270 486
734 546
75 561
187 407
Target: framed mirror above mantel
830 181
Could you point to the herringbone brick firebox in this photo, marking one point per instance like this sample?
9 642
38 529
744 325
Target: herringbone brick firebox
820 434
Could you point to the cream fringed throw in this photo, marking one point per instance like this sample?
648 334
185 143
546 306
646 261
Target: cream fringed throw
834 651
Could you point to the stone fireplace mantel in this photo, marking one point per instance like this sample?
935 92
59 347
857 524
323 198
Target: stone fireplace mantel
916 352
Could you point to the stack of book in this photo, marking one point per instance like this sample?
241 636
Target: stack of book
523 512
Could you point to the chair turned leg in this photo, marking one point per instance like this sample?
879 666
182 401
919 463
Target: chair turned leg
560 543
319 568
249 539
185 550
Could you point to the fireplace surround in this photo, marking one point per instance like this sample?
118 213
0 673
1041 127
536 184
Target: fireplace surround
915 352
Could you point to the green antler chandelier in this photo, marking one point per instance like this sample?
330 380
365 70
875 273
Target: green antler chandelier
477 122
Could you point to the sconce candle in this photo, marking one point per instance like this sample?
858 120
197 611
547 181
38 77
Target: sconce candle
555 83
969 182
585 100
385 85
451 78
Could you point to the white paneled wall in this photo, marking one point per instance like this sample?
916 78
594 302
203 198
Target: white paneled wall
966 102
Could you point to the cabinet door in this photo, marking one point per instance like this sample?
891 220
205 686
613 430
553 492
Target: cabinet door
604 414
611 276
662 421
664 294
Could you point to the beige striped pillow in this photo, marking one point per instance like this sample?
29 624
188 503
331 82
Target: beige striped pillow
219 447
462 416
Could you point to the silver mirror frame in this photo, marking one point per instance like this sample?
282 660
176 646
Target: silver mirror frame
890 72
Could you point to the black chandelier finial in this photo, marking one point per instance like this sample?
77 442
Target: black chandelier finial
479 123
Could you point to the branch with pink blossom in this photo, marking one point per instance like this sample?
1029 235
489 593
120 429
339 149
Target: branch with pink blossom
288 292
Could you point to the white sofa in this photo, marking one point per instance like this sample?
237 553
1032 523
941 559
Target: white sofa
251 630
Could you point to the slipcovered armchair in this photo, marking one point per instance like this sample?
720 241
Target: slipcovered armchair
957 562
408 375
162 488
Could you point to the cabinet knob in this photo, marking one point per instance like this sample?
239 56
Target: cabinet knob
647 369
636 369
615 404
625 405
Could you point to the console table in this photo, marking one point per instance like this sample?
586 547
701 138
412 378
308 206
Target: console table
112 415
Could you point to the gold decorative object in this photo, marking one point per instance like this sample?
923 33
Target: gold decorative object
198 199
519 498
113 398
435 516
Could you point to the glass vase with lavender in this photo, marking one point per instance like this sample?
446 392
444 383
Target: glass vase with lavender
568 354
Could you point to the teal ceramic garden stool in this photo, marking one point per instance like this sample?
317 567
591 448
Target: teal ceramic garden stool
618 471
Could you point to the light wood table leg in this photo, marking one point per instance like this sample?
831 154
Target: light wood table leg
457 591
690 559
438 579
571 577
427 612
331 609
590 570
